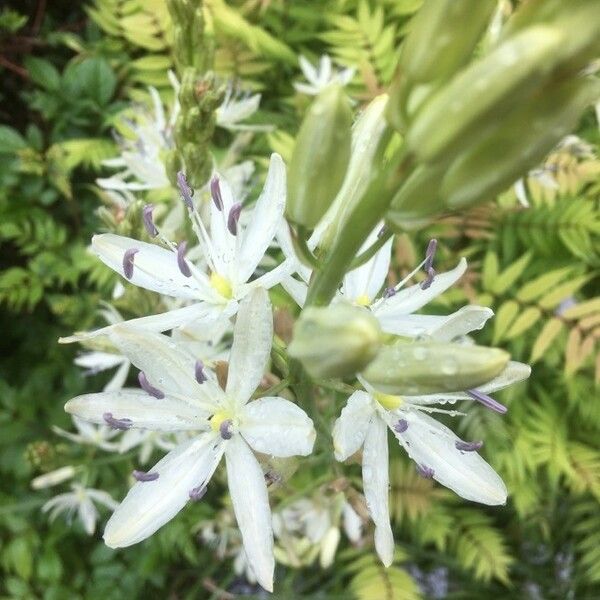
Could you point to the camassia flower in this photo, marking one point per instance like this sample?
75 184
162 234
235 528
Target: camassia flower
232 252
181 394
237 107
321 76
437 451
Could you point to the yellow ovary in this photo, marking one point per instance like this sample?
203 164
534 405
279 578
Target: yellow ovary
221 285
363 300
388 401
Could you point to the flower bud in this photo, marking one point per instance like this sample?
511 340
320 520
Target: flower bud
335 341
429 367
442 38
456 116
320 157
53 478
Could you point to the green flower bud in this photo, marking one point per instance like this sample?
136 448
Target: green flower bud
525 138
478 96
442 38
320 157
335 341
429 367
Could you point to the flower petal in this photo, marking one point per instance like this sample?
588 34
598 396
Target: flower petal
406 301
167 365
296 289
431 444
151 504
252 339
251 506
277 427
375 486
266 218
351 426
154 268
144 411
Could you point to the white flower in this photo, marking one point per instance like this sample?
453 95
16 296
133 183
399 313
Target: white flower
438 452
236 107
91 435
142 154
182 395
232 252
321 76
146 442
81 501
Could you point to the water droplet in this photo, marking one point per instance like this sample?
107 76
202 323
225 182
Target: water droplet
449 366
420 353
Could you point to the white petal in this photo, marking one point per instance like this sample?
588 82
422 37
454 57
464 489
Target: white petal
266 218
154 268
410 299
369 278
277 427
168 366
251 506
252 339
103 498
223 241
119 378
296 289
151 504
307 68
145 412
351 426
375 486
352 523
88 515
431 444
98 361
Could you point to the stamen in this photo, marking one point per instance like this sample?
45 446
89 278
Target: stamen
183 266
148 222
425 471
197 493
148 388
226 429
121 424
401 426
128 262
389 292
200 374
233 218
468 446
215 192
487 401
185 189
430 277
430 254
143 476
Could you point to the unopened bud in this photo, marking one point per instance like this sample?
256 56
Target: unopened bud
320 157
53 478
335 341
429 367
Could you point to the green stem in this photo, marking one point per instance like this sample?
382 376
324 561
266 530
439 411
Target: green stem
303 252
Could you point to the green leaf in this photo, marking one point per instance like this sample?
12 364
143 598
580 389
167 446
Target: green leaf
511 274
10 140
43 72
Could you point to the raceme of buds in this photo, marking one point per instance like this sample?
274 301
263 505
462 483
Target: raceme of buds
320 157
442 38
428 367
335 341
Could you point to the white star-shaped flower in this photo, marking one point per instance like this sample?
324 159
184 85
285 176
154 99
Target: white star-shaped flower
236 107
232 252
321 76
81 501
181 394
438 452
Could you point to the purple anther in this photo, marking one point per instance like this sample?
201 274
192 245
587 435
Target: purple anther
389 292
215 192
430 254
226 429
401 426
233 218
122 424
197 493
181 263
200 374
468 446
143 476
148 222
381 231
148 388
487 401
430 277
425 471
128 262
185 189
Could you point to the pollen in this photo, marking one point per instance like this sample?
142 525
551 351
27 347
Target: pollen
221 285
363 300
388 401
